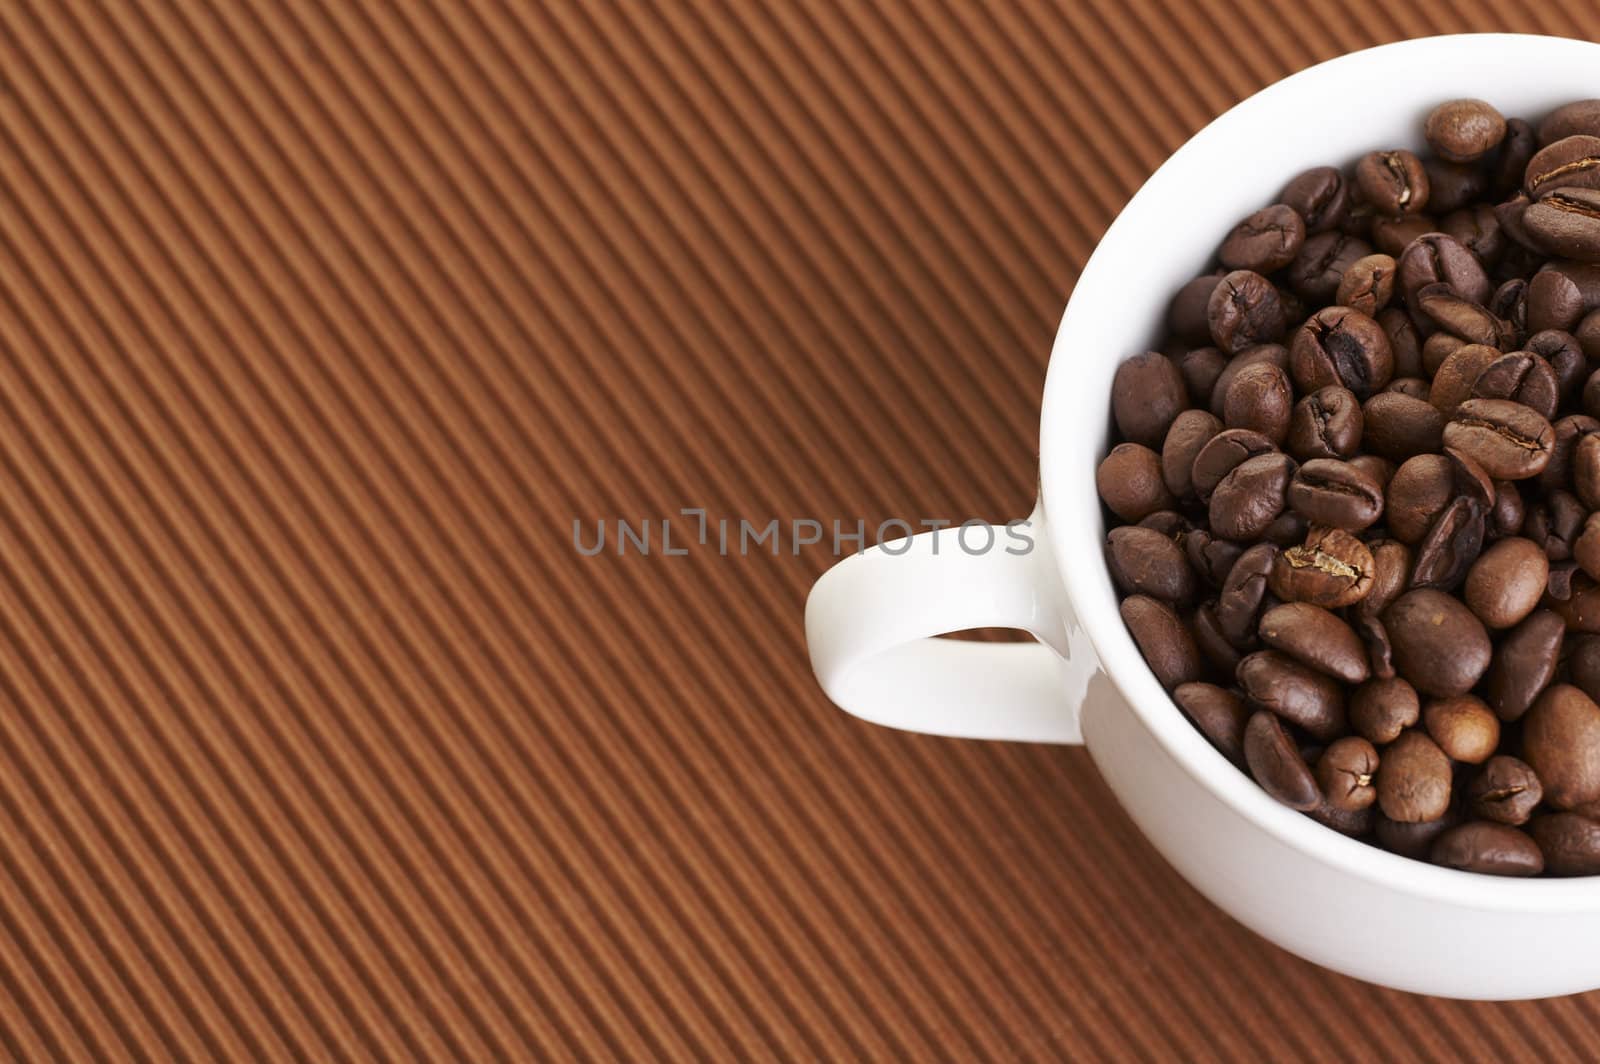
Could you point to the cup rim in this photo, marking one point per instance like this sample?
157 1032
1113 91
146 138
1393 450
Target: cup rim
1072 521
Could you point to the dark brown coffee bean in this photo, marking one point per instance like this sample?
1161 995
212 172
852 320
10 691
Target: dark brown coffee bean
1561 741
1211 557
1187 314
1345 773
1320 197
1510 441
1554 523
1568 430
1411 840
1411 387
1391 576
1438 347
1588 335
1145 562
1381 470
1464 131
1461 317
1302 696
1586 470
1562 577
1201 368
1326 491
1578 117
1397 426
1418 492
1477 229
1146 395
1239 603
1507 581
1394 182
1507 791
1380 651
1464 727
1368 285
1326 424
1166 643
1316 272
1276 763
1250 496
1218 713
1276 354
1566 221
1392 234
1245 310
1332 568
1436 258
1555 302
1458 374
1341 346
1524 664
1521 377
1214 646
1583 664
1511 162
1316 638
1570 843
1506 516
1509 215
1266 241
1488 849
1222 454
1260 398
1381 709
1286 530
1572 162
1452 543
1439 645
1413 779
1404 343
1190 432
1510 304
1580 608
1356 823
1452 186
1586 548
1129 481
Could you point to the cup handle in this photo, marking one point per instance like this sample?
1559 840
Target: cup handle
871 619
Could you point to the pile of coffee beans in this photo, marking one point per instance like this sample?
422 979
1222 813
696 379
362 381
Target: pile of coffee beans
1356 495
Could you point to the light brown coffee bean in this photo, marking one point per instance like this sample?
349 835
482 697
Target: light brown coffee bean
1332 568
1510 441
1381 709
1326 491
1507 581
1413 779
1464 131
1464 727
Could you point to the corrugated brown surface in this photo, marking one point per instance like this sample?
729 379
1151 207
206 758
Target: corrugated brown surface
321 325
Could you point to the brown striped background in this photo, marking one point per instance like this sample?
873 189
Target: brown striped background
321 322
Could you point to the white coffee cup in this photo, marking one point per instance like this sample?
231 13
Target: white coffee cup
869 621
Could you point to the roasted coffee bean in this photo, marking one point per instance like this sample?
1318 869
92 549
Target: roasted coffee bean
1555 303
1332 568
1169 523
1510 304
1266 241
1506 516
1586 470
1245 310
1188 317
1201 368
1411 840
1286 530
1566 221
1521 377
1166 643
1239 603
1452 186
1341 346
1583 664
1145 562
1464 131
1580 608
1477 229
1392 234
1129 481
1572 162
1510 441
1588 335
1438 347
1461 317
1220 715
1561 741
1146 395
1380 651
1398 426
1261 399
1591 394
1345 773
1568 431
1326 424
1418 492
1326 491
1560 586
1507 581
1214 646
1488 848
1356 823
1458 374
1404 343
1452 543
1586 548
1276 763
1250 496
1413 779
1435 258
1320 197
1511 162
1302 696
1368 285
1316 638
1210 556
1381 709
1222 454
1391 576
1578 117
1524 664
1506 791
1276 354
1570 843
1464 727
1509 215
1554 523
1316 272
1439 644
1394 182
1411 387
1565 356
1190 431
1379 469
